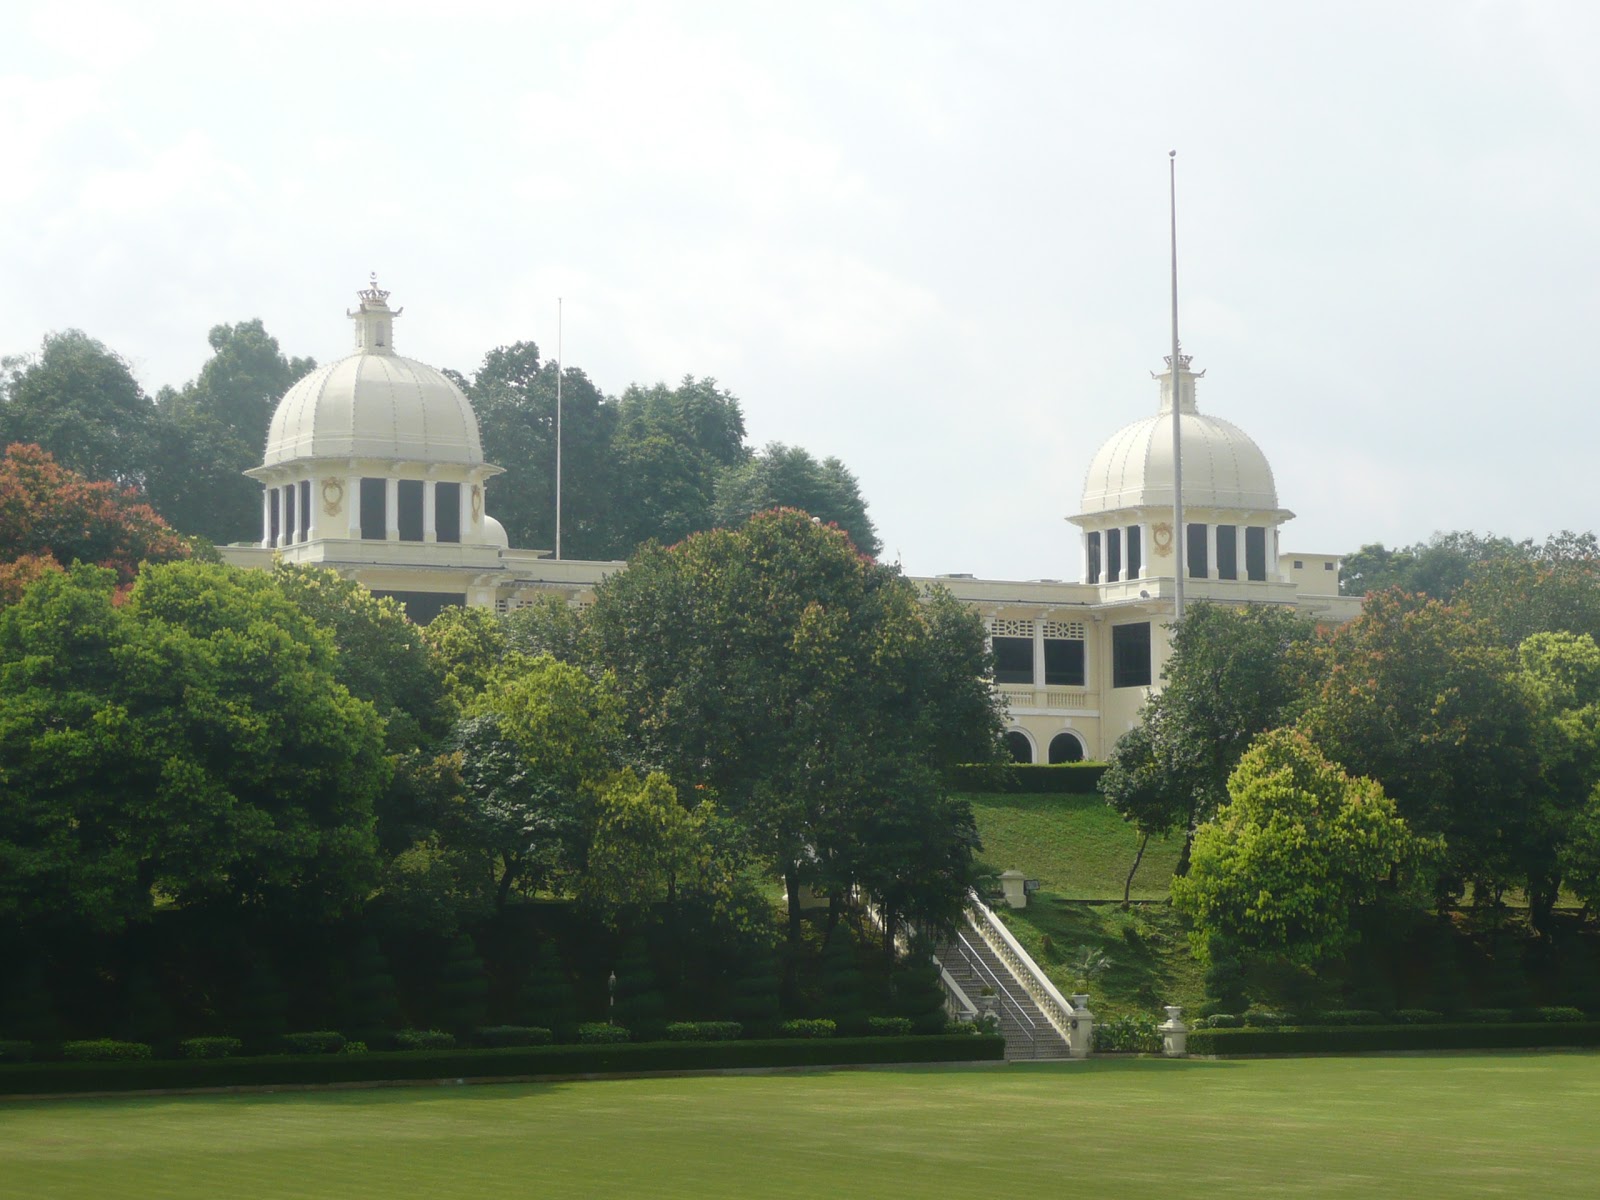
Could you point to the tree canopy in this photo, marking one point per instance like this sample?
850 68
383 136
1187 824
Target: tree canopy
789 477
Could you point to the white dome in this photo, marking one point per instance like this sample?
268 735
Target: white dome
1222 467
374 404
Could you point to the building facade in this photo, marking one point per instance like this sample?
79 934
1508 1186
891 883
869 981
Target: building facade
373 467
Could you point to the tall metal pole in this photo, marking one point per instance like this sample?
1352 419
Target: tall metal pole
1180 540
558 428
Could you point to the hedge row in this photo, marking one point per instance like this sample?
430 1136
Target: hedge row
1352 1039
67 1077
1062 779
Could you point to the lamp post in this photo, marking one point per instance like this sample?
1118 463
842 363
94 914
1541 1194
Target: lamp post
611 1003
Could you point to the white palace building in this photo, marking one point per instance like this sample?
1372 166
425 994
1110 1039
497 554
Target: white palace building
373 467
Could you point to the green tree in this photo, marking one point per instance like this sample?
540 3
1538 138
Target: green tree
514 395
215 428
1553 587
81 403
799 685
467 645
668 449
1438 567
1423 698
1296 848
789 477
191 742
644 844
1232 675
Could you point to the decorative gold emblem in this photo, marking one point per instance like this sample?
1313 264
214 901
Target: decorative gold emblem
477 501
332 496
1161 538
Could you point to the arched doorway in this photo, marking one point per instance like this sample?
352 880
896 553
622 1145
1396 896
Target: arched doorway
1020 747
1066 748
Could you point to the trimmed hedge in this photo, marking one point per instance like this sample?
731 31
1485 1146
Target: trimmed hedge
513 1035
808 1027
315 1041
1062 779
703 1031
210 1047
104 1050
399 1066
1353 1039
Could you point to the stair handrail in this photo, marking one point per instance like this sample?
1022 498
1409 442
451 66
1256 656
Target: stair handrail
1057 1009
958 1003
1002 993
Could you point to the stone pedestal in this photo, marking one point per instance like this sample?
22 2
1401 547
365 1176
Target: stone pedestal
1013 884
1174 1034
1081 1039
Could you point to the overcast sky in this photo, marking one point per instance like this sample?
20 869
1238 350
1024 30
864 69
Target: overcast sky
928 238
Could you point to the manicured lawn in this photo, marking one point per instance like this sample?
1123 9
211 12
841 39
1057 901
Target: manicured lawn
1076 846
1497 1125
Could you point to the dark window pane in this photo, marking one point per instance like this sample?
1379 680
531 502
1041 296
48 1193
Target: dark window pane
1020 747
1255 552
1135 554
1094 558
1013 660
374 522
447 511
1227 552
410 505
1113 555
1065 748
1195 552
274 515
288 513
1063 662
1130 655
423 607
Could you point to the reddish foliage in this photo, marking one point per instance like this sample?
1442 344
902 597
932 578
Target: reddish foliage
50 514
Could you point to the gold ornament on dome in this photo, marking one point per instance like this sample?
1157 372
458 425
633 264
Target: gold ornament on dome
477 501
332 496
1161 539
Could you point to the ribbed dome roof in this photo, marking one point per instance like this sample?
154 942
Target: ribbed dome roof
1222 467
374 404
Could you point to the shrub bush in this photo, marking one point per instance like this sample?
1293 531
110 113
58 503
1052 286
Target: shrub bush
1486 1016
703 1031
1366 1038
961 1028
512 1035
315 1041
353 1048
598 1033
1221 1021
104 1050
1060 779
210 1047
424 1039
889 1026
1129 1034
1262 1018
15 1051
1559 1013
1417 1016
1346 1016
278 1070
803 1027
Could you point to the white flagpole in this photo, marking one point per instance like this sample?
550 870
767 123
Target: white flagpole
558 428
1180 539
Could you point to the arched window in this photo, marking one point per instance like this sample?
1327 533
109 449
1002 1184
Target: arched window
1065 748
1020 747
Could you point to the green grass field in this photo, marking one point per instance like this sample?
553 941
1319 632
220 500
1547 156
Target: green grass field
1076 846
1488 1125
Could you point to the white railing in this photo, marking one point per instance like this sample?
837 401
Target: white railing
957 1004
1057 1009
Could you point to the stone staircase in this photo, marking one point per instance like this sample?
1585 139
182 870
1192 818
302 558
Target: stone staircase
974 966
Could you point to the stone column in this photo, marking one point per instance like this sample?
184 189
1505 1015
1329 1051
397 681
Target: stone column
469 531
1038 653
430 512
1146 551
1211 552
391 509
1012 885
313 499
352 507
266 518
1081 1040
1174 1034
